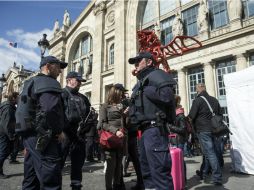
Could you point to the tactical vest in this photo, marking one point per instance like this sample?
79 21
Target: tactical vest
143 109
28 106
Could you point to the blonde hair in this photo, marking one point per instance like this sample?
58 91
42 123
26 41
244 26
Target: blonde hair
114 96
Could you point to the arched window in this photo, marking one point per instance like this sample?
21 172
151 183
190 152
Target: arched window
111 53
83 56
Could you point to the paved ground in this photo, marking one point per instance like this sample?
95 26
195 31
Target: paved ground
94 178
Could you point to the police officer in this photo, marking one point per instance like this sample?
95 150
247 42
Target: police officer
76 108
152 106
7 128
39 120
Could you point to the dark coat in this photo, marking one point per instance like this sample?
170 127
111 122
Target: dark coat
200 113
8 121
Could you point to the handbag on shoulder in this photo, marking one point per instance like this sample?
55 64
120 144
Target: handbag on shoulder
219 126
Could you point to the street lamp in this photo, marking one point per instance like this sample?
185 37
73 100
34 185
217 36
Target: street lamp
2 81
43 44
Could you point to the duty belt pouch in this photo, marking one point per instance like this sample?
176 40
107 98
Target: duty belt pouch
43 142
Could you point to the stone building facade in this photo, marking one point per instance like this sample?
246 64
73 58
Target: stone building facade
100 41
14 79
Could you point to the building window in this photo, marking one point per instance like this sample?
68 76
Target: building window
150 11
218 13
251 60
195 76
82 57
224 67
166 30
175 77
86 45
166 6
248 8
111 55
76 53
190 21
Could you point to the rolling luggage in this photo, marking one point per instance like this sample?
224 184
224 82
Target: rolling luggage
177 170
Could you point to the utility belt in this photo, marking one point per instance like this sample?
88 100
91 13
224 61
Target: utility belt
147 125
151 124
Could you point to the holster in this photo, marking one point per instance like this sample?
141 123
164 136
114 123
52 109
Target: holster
44 138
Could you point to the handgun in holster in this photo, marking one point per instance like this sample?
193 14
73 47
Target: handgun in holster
44 138
161 123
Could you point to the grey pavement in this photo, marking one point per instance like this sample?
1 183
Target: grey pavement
93 177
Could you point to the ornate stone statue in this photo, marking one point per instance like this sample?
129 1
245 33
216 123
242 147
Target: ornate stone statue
177 27
66 19
203 16
234 9
56 27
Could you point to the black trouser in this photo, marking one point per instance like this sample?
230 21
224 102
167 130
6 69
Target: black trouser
89 148
4 150
77 153
42 170
14 149
114 168
133 153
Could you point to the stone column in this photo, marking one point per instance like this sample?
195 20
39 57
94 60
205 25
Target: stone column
120 43
183 88
209 78
241 62
99 12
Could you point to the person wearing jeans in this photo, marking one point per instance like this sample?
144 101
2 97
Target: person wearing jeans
201 115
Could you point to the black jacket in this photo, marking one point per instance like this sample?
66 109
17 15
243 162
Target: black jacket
180 129
7 120
200 113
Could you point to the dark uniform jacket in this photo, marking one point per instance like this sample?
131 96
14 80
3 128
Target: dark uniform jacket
72 115
200 113
7 120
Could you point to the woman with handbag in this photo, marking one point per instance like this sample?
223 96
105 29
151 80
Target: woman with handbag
112 122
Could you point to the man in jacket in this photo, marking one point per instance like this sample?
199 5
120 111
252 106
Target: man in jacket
201 118
7 128
76 108
40 121
152 106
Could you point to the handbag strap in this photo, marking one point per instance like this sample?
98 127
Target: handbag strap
210 108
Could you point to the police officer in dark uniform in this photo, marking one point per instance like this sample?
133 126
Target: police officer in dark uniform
40 121
152 106
7 128
76 108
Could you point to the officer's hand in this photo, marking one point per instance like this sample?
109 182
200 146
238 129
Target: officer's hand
61 137
119 134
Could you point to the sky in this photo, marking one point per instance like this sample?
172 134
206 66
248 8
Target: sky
24 22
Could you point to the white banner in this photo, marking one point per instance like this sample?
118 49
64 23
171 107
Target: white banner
240 102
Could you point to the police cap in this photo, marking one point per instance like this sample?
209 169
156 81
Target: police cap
52 60
75 75
140 56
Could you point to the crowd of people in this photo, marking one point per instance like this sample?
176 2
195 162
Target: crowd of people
55 123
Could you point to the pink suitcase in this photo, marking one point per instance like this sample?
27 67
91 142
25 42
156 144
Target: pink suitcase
177 170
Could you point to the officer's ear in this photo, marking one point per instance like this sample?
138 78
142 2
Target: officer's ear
149 62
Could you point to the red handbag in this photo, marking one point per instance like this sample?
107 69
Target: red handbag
109 140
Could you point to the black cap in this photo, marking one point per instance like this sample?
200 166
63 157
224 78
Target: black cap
140 56
75 75
120 87
52 60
